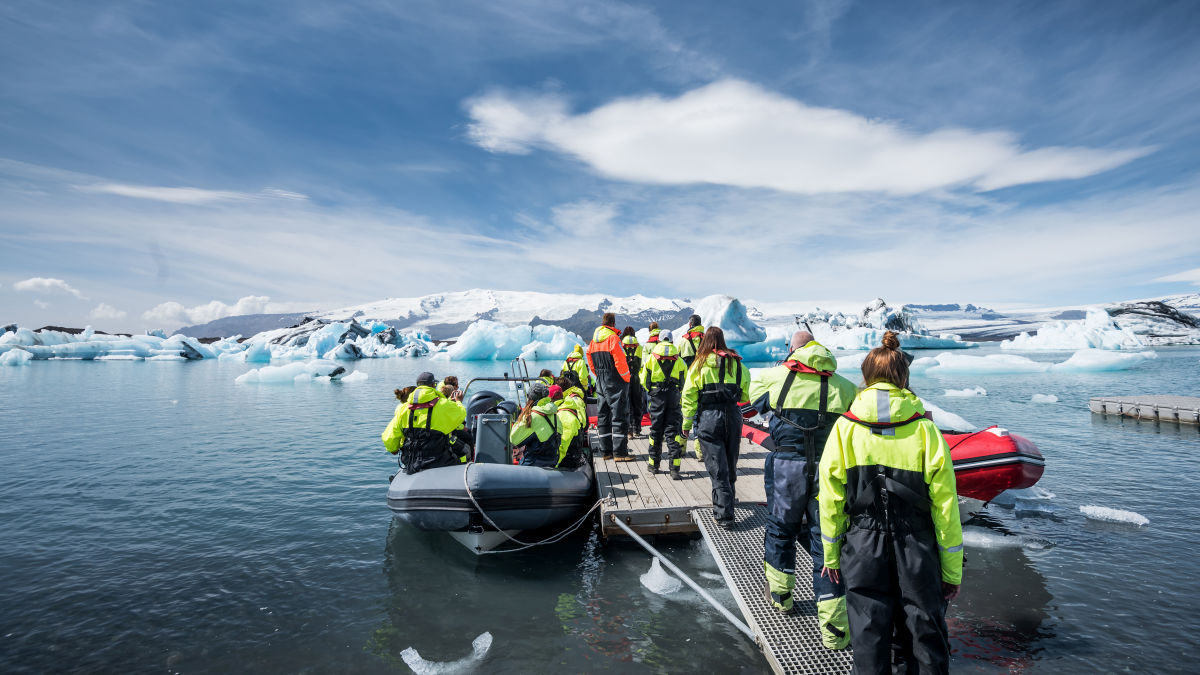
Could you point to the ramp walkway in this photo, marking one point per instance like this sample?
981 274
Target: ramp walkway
1180 409
654 504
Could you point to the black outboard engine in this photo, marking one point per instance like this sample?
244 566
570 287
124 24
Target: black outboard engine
482 403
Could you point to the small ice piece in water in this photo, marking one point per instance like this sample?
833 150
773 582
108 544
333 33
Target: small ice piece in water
291 373
712 576
356 376
659 580
420 666
848 362
981 537
1114 515
969 391
947 420
1044 398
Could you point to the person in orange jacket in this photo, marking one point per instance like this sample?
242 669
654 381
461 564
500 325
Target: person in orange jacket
606 357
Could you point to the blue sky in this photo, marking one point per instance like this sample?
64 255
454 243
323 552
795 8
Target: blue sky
163 163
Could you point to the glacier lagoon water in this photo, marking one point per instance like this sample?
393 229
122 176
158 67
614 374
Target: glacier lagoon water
158 516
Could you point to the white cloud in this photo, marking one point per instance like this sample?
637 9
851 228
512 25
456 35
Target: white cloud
175 313
735 133
1190 276
106 311
585 218
47 285
187 195
41 304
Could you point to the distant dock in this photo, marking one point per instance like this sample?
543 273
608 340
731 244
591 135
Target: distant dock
1179 409
653 504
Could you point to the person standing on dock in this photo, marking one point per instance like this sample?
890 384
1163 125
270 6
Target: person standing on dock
662 376
607 360
715 384
802 398
633 357
689 343
425 429
889 520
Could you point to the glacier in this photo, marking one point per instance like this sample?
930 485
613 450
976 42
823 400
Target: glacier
1096 331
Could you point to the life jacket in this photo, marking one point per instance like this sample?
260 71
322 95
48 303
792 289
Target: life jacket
666 366
880 427
811 453
425 447
880 486
539 452
605 353
721 393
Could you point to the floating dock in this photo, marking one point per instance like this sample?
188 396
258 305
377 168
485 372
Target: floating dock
654 504
1179 409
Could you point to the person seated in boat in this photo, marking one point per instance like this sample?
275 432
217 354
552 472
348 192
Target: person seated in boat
422 431
715 384
572 416
802 398
448 388
575 367
546 376
537 430
403 394
689 342
662 377
637 395
890 521
607 360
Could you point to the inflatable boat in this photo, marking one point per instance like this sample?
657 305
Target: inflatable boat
986 463
489 500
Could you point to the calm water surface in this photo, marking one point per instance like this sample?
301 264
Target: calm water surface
159 517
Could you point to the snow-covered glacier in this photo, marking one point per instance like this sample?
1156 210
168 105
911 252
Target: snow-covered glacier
1096 331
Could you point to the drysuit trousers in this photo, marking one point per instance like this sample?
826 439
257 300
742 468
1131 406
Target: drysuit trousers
894 580
719 430
611 415
666 419
637 407
792 514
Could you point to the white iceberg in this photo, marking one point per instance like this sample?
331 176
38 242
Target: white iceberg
1099 360
865 331
1044 398
659 581
15 357
1096 331
730 315
964 393
991 364
490 340
946 420
1114 515
479 650
291 373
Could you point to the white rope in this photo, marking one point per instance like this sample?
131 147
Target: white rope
524 545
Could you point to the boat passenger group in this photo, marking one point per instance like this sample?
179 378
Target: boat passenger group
864 475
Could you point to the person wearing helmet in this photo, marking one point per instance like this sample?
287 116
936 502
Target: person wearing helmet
633 356
662 376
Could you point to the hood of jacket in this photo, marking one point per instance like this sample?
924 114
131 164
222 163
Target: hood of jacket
884 402
816 356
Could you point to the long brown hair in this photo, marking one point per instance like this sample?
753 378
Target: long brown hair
403 394
653 325
886 363
712 342
526 411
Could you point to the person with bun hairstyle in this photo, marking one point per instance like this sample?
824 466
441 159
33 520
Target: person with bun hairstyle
889 520
715 384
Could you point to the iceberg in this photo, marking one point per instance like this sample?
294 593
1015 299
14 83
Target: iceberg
15 357
969 391
1114 515
1044 398
490 340
946 420
730 315
1099 360
865 331
1096 331
291 373
992 364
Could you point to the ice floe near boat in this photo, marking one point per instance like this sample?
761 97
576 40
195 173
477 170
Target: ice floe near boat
1096 331
479 650
660 581
1109 515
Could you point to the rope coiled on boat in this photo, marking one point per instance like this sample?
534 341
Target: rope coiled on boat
523 545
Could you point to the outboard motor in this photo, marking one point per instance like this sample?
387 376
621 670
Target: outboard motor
481 403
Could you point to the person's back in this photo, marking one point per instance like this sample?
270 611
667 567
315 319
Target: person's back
889 518
607 360
575 367
802 398
689 342
537 429
422 430
572 414
662 376
633 357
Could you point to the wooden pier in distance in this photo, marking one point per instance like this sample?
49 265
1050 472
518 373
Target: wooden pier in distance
653 504
1179 409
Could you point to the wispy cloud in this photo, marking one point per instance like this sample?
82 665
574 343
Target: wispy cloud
186 195
105 311
1190 276
736 133
47 285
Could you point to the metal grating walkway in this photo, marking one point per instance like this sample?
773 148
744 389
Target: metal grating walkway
792 644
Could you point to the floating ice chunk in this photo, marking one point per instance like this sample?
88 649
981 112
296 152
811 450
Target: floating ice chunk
963 393
947 420
15 357
290 373
981 537
356 376
1114 515
850 362
918 365
479 650
1098 360
1028 500
728 314
1097 331
659 580
712 576
1044 398
490 340
991 364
